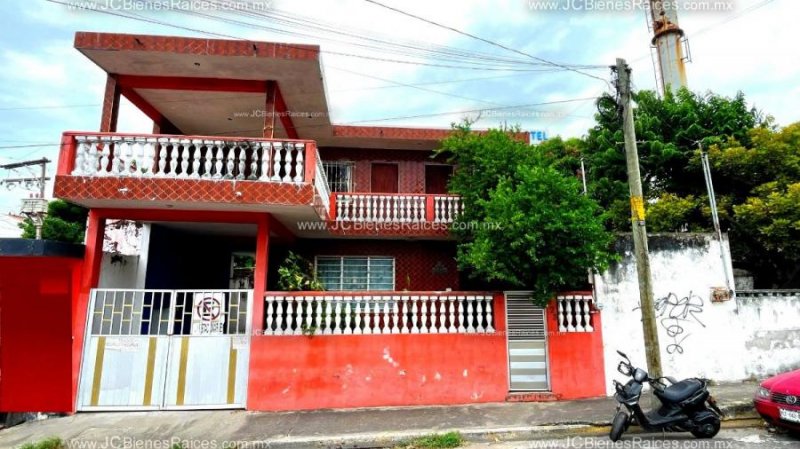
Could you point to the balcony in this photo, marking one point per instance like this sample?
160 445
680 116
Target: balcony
192 172
393 213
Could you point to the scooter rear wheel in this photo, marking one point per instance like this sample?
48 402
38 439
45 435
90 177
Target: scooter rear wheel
618 426
707 429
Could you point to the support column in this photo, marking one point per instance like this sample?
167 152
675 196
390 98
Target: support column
108 119
93 256
269 110
262 267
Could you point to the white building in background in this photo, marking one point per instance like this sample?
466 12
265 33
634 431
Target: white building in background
9 225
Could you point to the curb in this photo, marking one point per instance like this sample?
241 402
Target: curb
737 415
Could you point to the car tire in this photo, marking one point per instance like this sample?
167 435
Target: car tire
618 426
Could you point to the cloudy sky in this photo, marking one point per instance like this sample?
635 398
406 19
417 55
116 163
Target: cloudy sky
47 87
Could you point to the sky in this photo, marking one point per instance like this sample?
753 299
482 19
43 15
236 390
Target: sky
47 87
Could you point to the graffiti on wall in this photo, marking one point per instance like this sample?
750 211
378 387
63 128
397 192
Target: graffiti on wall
677 315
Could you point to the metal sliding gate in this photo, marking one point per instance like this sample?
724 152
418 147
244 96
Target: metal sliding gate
165 349
527 344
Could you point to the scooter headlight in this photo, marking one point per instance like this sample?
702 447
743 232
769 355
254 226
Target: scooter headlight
763 393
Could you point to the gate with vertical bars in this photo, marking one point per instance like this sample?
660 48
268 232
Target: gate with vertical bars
165 349
527 344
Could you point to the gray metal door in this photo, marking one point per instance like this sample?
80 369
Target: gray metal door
527 344
157 349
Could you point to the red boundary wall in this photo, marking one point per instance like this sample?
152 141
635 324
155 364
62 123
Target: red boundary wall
305 373
575 359
36 356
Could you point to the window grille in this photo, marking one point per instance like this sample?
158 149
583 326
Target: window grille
340 175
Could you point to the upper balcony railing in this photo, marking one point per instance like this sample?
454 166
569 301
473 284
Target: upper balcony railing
191 157
395 207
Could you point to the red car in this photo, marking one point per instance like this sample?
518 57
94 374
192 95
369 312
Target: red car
778 400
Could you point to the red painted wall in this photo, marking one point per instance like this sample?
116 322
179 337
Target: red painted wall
411 166
304 373
36 354
575 359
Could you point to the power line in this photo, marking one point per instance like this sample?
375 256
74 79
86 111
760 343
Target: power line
496 44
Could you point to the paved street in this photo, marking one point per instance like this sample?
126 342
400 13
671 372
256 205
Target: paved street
752 438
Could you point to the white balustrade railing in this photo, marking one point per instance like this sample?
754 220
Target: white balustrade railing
191 158
388 208
331 313
574 313
447 208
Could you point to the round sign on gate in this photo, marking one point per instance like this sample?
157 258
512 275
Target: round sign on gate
209 309
208 315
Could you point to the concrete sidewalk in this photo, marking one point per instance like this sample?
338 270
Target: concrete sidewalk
374 427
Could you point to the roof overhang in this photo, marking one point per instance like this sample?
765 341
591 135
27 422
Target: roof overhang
218 87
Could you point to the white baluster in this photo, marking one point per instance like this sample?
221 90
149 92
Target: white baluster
317 311
197 145
489 316
130 157
269 316
376 320
288 162
266 151
386 328
279 315
479 314
414 316
403 306
367 315
361 201
328 312
307 316
442 314
587 314
470 316
452 329
570 315
183 154
141 154
219 152
230 157
434 329
208 162
290 318
348 317
80 156
437 209
395 313
148 162
415 213
104 159
174 156
241 155
277 161
337 330
299 167
460 309
339 207
423 315
163 148
254 161
357 317
560 303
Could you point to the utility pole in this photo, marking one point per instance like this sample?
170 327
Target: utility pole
33 208
649 325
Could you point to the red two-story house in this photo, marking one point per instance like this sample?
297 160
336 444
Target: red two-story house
243 166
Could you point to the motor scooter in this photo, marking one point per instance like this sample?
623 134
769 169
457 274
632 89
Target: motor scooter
686 406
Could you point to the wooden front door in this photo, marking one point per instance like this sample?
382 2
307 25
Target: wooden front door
384 178
436 177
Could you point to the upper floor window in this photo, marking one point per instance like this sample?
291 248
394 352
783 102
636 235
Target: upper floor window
347 273
340 175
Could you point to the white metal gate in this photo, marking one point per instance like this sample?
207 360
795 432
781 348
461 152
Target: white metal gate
527 344
165 349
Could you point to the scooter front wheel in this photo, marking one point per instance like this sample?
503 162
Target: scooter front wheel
618 425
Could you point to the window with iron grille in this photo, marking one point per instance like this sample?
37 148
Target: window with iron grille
349 273
340 175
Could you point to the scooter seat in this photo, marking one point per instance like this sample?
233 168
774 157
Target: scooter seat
680 391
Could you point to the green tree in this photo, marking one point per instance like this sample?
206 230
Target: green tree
64 222
526 223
